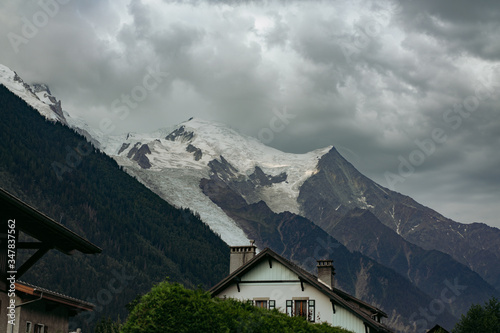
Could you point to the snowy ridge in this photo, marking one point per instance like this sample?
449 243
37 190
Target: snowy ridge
174 160
37 97
175 172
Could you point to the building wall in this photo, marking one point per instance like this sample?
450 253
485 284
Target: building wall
4 299
54 316
4 320
261 271
257 284
345 318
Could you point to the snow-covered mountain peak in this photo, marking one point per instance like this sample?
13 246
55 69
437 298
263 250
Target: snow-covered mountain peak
41 87
196 142
242 151
172 162
36 95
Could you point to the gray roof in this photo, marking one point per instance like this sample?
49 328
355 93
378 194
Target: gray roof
40 226
361 309
75 304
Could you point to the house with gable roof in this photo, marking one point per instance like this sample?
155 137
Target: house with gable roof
26 308
273 282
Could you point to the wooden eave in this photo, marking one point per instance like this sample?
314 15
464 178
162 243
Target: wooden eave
51 234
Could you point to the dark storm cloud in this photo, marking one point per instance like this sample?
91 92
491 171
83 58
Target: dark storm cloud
373 78
462 26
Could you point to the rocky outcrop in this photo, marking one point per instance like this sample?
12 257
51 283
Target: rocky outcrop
197 153
55 104
180 134
338 187
138 154
123 147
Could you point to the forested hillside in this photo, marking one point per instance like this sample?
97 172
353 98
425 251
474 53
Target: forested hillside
144 239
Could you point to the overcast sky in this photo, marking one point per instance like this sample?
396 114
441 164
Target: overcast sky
408 91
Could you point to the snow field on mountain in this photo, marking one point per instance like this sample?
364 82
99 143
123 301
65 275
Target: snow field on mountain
180 187
175 174
7 78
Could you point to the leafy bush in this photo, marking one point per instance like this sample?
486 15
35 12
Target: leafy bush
169 307
484 319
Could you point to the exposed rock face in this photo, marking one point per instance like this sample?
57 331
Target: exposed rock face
182 133
139 155
246 186
338 187
197 153
41 92
223 169
360 230
301 241
259 178
55 104
134 149
17 78
123 147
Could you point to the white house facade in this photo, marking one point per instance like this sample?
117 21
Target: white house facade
271 281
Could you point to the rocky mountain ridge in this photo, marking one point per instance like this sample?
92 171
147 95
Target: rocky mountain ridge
335 189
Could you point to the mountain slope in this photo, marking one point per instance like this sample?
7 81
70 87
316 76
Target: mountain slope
337 187
36 95
359 230
320 185
144 239
177 159
303 242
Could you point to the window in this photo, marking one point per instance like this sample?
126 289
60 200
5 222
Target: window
39 328
28 327
312 310
261 304
264 303
289 308
300 308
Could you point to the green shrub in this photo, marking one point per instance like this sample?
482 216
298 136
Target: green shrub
169 307
484 319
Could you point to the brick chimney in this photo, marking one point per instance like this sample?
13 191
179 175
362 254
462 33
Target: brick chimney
326 273
240 255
